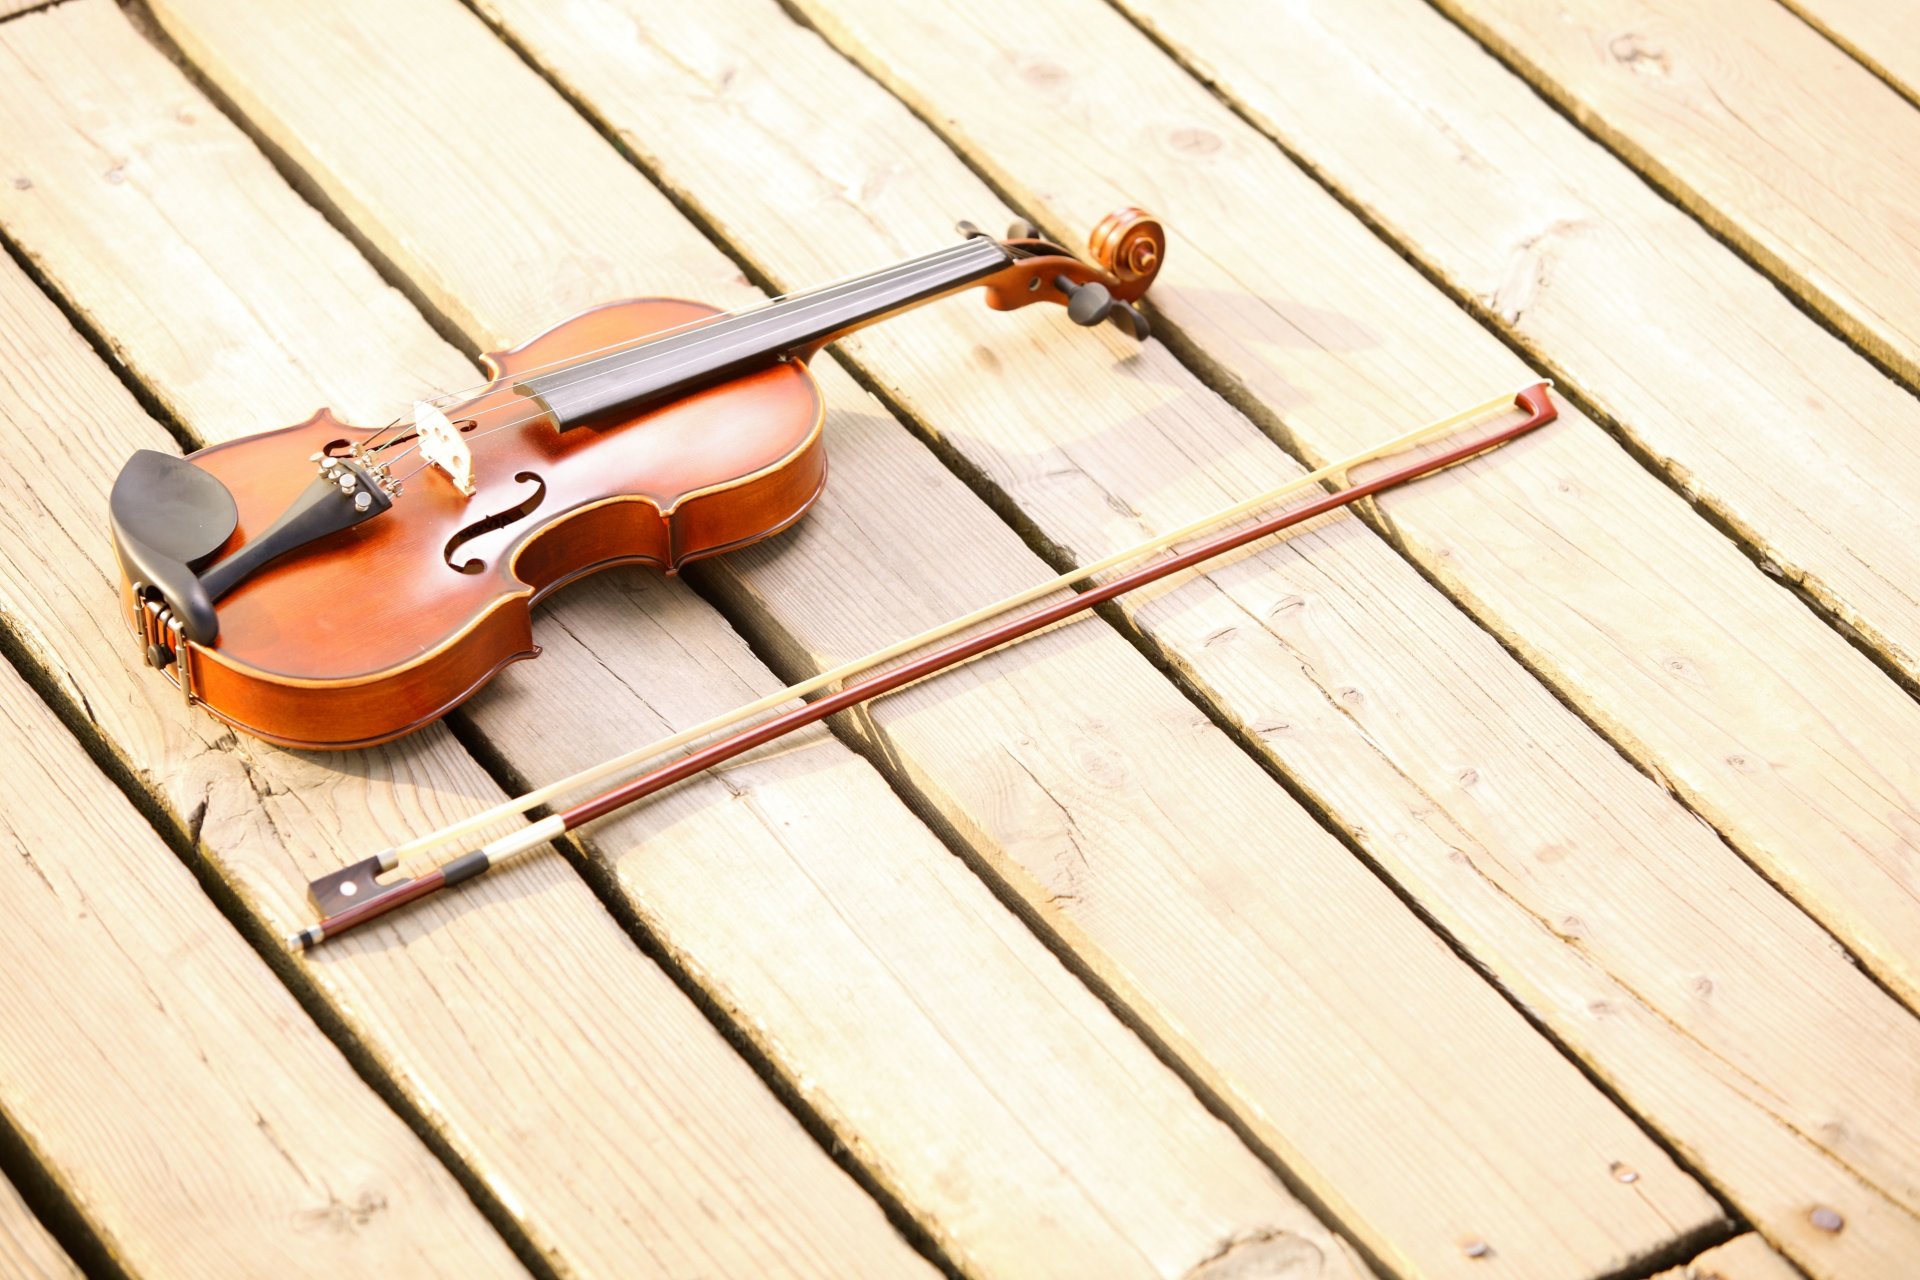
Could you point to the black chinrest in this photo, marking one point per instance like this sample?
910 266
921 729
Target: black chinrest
169 517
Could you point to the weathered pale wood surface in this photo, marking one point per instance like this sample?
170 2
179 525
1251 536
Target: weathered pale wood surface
156 1068
1759 126
26 1250
1756 410
1741 1258
1182 952
1653 625
584 1154
1419 773
1884 36
1032 1133
1028 1130
562 1067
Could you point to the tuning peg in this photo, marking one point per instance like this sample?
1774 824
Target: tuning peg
1087 304
1021 229
1090 303
1130 319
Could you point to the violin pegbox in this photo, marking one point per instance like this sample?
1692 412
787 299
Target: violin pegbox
1126 249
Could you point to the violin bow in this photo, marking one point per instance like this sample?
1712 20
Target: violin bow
354 895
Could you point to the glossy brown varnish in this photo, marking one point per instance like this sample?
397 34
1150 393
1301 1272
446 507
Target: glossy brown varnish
374 632
370 633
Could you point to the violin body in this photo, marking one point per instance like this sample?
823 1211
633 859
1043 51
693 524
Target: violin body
259 580
399 619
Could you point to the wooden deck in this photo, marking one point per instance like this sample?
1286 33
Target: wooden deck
1521 882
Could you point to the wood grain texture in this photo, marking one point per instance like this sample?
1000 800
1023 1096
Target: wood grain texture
1883 36
1754 409
26 1250
612 1122
157 1069
967 1071
1651 624
1249 977
1741 1258
1758 126
1563 869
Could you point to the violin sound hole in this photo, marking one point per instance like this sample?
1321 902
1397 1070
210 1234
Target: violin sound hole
498 520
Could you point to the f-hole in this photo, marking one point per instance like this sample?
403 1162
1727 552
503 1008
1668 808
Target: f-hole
498 520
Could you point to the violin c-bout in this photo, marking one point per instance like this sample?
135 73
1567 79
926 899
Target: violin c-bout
331 586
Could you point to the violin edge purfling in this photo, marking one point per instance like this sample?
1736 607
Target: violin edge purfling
325 586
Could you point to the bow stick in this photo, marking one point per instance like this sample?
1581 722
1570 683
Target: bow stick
353 895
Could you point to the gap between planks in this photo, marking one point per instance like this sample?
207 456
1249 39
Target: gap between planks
1222 1161
1717 509
1830 253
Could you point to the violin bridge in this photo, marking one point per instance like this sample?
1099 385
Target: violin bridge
442 445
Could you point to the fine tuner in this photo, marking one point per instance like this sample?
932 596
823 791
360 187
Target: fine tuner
325 585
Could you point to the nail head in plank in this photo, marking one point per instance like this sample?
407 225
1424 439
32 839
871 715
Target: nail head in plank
1752 408
213 43
158 1070
1065 1142
453 1016
1647 620
1758 126
1554 824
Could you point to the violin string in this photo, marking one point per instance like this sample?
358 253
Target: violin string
899 273
818 297
821 296
581 358
612 349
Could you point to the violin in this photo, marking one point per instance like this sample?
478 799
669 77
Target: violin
331 586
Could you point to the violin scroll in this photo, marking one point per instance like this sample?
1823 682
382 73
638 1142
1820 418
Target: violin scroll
1130 244
1127 249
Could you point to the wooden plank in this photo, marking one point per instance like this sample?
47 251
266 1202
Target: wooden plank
1168 915
26 1250
1276 636
156 1068
1741 1258
1807 452
1020 1120
1657 629
1758 126
650 1131
646 1146
1883 36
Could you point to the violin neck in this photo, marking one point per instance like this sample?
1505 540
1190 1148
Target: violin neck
619 385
